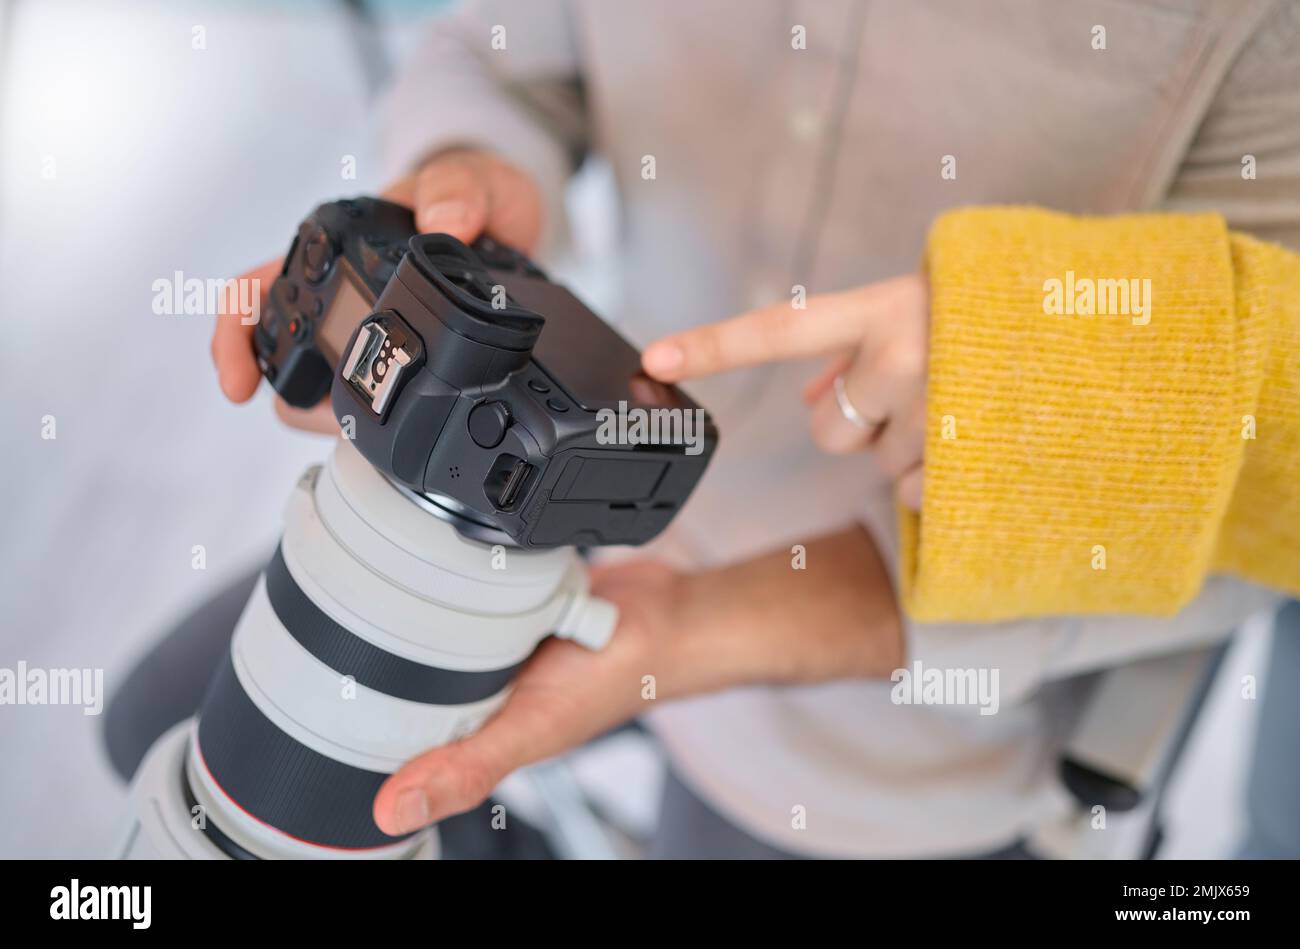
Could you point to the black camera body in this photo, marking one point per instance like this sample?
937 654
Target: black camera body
483 386
443 377
343 256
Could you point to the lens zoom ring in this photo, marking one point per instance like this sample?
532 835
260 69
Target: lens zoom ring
280 781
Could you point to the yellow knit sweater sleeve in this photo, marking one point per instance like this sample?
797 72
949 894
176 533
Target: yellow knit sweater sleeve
1113 412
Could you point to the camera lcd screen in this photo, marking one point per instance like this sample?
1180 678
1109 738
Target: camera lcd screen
345 313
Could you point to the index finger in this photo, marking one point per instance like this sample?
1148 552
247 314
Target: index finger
232 339
830 322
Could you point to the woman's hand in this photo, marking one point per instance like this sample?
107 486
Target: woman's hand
877 340
461 192
760 621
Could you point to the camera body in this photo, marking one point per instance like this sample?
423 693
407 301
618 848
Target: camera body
343 256
443 377
483 386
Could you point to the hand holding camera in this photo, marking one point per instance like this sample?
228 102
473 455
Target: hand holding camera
430 563
461 192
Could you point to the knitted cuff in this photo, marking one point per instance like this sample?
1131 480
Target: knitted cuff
1088 379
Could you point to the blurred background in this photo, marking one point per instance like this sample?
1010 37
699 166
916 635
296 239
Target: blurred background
129 151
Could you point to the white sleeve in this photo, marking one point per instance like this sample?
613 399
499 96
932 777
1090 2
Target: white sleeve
1032 651
1029 652
498 75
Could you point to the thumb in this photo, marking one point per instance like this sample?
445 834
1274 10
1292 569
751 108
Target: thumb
445 781
451 197
466 193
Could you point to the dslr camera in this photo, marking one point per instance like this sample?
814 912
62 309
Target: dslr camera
482 407
469 378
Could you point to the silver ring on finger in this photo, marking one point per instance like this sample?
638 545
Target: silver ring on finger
850 411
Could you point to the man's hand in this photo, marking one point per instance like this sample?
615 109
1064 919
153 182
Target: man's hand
564 696
756 622
462 192
877 340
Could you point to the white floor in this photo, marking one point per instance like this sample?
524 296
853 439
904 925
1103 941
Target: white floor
167 157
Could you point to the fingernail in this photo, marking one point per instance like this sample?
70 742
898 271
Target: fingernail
412 810
663 358
442 215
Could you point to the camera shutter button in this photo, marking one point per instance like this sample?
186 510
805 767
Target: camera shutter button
488 422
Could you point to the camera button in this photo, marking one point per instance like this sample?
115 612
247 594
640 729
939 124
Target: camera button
555 405
488 422
537 385
317 255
